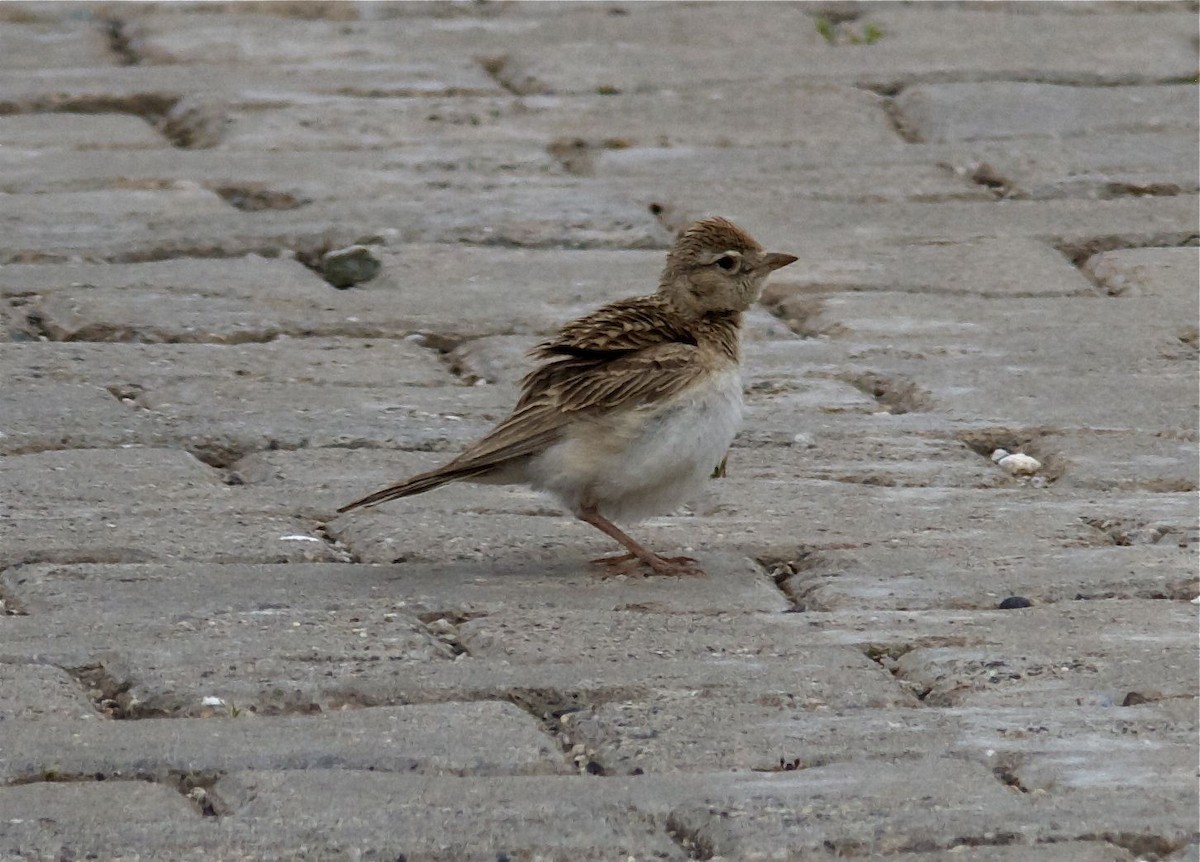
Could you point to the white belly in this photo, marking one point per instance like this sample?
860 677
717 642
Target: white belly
646 461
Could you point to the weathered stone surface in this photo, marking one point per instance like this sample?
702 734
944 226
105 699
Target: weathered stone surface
1092 165
33 693
475 738
136 505
565 123
78 131
901 649
28 41
964 112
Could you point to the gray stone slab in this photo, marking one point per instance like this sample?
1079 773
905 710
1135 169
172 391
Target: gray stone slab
294 179
788 222
1161 279
235 37
78 132
797 115
154 225
34 693
256 299
1093 165
134 505
48 820
55 415
1086 654
1122 461
27 43
133 368
1002 109
442 739
1017 372
770 43
148 88
999 268
827 170
981 574
868 810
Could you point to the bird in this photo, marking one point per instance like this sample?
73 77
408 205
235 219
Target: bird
631 407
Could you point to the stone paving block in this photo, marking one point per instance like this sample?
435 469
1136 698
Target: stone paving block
271 179
1092 165
154 89
789 221
1049 334
943 43
78 131
980 575
923 805
1002 109
52 820
798 115
443 819
1162 279
934 43
36 44
825 170
256 299
251 415
134 505
63 415
1121 461
442 739
131 369
998 268
1093 653
35 693
548 212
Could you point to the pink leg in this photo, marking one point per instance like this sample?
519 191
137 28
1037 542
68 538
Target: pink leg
675 566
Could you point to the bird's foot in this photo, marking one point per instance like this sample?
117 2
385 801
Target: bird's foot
675 567
631 564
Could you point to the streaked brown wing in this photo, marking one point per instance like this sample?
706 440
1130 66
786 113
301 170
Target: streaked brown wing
633 380
589 345
645 377
529 430
631 324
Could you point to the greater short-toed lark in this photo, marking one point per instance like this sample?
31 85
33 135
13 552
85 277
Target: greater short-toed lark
633 405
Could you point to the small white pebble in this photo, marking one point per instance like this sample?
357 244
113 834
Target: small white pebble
298 539
1020 464
999 454
212 701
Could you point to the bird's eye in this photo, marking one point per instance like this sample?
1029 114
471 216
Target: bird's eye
727 262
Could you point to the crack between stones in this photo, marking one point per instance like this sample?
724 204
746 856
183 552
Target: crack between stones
119 42
553 710
196 787
512 75
1080 251
689 838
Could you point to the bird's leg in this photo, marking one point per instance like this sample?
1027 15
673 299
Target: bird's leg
677 566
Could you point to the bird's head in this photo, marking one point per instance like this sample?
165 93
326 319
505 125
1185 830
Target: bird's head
715 266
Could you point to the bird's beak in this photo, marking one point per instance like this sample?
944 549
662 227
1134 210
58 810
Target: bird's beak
775 260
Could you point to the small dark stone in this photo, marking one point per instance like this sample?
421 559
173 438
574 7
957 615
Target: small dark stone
1134 698
594 768
502 857
345 267
1014 602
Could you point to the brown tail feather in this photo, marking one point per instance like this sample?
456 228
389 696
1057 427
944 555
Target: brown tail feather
416 485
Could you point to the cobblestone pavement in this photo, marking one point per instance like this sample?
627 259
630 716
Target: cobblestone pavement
903 649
